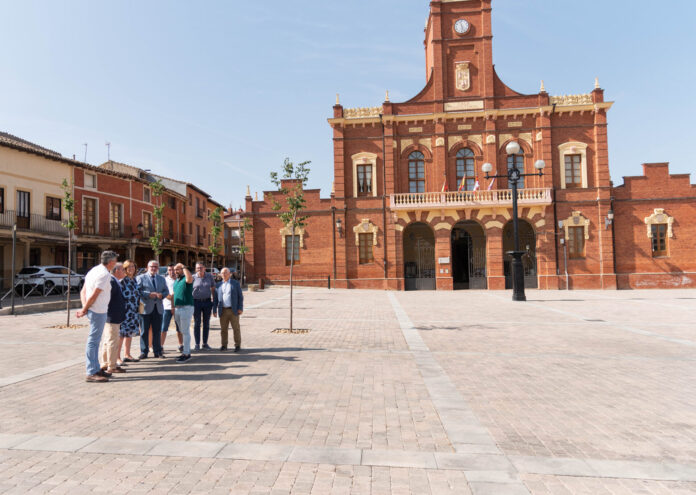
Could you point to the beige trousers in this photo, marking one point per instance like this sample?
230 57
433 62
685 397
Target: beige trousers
226 318
109 346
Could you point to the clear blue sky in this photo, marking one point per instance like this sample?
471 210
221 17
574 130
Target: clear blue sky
220 92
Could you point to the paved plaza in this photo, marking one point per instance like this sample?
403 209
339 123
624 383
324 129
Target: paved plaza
581 392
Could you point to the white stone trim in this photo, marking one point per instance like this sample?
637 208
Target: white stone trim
365 227
287 230
576 219
573 148
364 158
659 216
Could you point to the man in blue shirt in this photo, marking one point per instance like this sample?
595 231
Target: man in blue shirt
230 307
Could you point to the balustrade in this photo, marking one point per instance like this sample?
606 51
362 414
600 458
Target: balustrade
496 197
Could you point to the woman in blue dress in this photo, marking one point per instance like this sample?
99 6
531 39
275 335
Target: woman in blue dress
131 326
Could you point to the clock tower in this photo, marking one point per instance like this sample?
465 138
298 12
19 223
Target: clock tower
458 50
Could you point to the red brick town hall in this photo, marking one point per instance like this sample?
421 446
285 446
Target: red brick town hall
411 208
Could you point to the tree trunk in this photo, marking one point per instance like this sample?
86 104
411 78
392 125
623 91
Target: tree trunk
292 262
69 272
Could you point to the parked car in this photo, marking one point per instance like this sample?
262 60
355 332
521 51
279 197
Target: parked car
48 277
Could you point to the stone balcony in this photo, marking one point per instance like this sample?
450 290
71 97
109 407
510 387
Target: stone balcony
469 199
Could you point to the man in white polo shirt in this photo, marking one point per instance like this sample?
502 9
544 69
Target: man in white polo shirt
95 303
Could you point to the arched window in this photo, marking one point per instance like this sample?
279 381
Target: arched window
416 172
466 170
517 161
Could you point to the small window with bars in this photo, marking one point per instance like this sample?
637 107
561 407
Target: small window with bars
365 242
573 171
292 249
659 239
576 242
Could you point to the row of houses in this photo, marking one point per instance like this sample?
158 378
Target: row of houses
114 207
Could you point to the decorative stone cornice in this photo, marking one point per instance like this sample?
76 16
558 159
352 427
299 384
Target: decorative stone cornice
566 100
362 113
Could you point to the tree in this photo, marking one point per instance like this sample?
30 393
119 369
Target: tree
243 249
295 202
214 248
157 189
70 223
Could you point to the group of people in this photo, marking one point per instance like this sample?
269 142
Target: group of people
113 297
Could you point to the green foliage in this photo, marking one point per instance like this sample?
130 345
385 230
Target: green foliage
70 222
216 218
246 226
294 195
157 189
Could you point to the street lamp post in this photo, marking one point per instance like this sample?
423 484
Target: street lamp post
513 176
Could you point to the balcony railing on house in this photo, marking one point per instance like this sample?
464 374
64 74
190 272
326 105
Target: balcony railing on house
33 223
110 230
467 199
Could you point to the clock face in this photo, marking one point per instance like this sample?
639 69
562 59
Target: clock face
462 26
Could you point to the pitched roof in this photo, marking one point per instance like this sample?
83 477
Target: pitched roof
7 138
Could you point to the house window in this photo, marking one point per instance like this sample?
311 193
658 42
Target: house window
366 243
2 200
291 251
199 241
190 228
172 203
91 181
23 209
364 180
53 210
466 171
147 224
517 161
89 222
573 171
659 239
147 197
416 172
576 242
171 229
577 165
115 219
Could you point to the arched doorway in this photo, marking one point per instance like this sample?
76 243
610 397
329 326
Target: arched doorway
419 257
529 261
468 256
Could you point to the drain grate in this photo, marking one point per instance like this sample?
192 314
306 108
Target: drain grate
596 321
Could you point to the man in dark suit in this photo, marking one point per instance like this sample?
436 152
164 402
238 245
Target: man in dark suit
153 288
230 305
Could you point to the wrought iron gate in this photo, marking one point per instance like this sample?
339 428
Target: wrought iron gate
420 274
468 260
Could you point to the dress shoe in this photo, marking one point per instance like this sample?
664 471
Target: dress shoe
223 348
96 379
237 348
103 373
206 347
118 369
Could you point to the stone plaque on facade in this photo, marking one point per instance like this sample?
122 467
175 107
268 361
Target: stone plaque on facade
464 106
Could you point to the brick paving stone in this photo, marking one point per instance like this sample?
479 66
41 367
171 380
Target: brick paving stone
545 380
